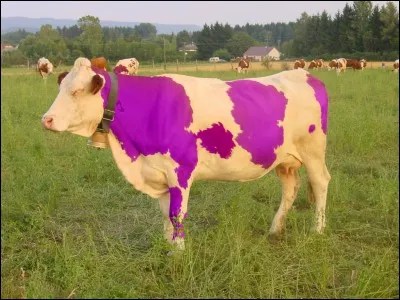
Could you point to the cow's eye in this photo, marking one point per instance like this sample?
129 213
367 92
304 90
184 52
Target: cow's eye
77 92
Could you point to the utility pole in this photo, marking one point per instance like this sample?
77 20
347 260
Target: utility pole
165 59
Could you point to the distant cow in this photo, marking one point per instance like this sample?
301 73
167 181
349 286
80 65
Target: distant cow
341 65
332 64
320 63
128 66
243 65
363 64
312 65
299 64
99 62
44 67
316 64
396 66
168 131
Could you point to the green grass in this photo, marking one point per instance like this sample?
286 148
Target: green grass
73 224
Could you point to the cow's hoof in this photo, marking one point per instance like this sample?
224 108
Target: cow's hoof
275 237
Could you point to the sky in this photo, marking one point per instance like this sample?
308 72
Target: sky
175 12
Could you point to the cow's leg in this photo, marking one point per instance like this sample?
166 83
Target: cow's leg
318 177
174 209
290 179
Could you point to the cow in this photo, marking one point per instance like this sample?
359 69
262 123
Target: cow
332 64
363 63
243 65
99 62
299 64
320 63
312 65
341 65
396 66
128 66
168 131
44 67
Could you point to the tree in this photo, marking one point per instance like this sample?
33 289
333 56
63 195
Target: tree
362 10
146 30
347 30
389 17
182 38
223 54
205 43
300 46
92 35
47 32
239 43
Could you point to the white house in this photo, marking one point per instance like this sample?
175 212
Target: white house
257 53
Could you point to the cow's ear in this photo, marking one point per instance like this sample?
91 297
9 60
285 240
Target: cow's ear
61 77
96 84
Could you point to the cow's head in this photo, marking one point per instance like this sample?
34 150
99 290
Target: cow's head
78 107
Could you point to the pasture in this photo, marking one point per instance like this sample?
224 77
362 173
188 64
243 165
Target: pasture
73 227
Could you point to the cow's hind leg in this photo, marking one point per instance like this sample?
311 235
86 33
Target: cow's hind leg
318 180
289 177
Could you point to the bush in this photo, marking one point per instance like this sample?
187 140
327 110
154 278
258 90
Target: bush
285 66
267 63
222 54
13 58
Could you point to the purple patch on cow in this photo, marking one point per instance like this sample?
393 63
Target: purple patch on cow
311 128
257 109
217 140
119 69
152 115
175 206
322 98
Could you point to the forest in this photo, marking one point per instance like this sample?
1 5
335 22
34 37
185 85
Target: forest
359 30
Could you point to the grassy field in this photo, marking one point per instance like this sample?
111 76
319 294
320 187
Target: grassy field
73 227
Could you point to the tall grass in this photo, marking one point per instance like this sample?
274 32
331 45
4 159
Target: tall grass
73 227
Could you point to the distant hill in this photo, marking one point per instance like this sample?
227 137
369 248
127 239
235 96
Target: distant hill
9 24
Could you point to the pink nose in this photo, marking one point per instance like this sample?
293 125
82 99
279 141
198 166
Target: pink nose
47 122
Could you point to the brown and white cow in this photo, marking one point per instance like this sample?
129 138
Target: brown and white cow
168 131
332 64
320 63
127 66
243 65
99 62
341 65
300 63
312 65
44 67
363 63
396 66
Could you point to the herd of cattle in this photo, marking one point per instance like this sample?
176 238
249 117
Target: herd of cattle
130 66
339 64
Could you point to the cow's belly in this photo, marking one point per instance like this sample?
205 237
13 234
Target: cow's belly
238 167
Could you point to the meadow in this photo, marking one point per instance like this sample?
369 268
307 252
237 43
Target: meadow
72 226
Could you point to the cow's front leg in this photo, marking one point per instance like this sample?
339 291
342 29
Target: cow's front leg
174 209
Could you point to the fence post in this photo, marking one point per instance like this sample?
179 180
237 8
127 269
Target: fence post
177 66
28 63
153 63
197 69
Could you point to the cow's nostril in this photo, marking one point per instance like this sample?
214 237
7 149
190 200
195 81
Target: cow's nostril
47 122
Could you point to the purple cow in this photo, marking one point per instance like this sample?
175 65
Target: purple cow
167 131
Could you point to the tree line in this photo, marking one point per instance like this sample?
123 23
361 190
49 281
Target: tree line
360 29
